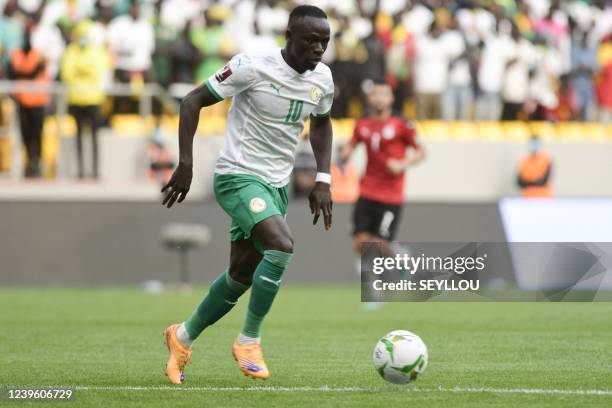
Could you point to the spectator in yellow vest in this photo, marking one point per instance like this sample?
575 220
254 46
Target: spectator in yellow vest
85 70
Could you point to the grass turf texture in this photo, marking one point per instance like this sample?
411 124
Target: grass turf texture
315 336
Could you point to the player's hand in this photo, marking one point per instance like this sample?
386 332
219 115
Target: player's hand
178 186
396 167
320 201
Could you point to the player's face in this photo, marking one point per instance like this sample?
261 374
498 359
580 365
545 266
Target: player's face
380 98
307 40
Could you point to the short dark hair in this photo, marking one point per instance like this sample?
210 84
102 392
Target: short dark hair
306 11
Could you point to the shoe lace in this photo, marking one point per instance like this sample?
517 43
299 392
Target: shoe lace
255 352
184 358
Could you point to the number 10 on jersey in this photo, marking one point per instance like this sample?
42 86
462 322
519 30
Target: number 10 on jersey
295 111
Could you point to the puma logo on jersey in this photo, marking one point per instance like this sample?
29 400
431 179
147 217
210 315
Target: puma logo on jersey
277 89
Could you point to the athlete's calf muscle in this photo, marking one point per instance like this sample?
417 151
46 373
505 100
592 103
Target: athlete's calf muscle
244 259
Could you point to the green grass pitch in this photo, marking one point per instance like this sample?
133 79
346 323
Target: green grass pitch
318 343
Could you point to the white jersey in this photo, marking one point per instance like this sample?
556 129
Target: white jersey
271 102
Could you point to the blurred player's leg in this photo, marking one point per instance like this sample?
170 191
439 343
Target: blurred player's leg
374 222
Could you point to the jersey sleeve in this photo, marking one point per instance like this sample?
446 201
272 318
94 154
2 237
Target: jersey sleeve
323 108
356 138
410 135
236 76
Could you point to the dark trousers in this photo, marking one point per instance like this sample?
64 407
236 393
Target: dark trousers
511 111
31 125
86 115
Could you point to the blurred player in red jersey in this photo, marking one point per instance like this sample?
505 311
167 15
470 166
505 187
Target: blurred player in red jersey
387 139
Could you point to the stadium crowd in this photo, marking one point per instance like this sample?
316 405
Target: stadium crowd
454 59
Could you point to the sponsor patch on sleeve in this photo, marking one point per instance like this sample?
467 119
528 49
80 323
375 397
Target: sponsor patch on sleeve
223 74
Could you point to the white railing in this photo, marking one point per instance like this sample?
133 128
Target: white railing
145 94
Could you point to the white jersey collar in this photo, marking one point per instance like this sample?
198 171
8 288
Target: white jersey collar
288 67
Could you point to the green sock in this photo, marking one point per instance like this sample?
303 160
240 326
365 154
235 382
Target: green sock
222 297
266 282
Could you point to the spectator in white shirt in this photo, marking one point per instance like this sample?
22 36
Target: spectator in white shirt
491 72
459 94
431 63
515 91
48 39
417 18
548 69
132 40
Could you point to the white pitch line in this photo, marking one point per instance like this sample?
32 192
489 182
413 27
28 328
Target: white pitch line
325 388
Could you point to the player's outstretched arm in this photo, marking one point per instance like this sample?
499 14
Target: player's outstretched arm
347 151
321 142
178 186
419 155
400 166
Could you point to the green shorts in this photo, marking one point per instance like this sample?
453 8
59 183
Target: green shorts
248 200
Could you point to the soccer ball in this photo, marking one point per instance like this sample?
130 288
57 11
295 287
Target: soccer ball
400 357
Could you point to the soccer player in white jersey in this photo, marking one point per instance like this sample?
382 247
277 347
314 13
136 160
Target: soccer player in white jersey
274 92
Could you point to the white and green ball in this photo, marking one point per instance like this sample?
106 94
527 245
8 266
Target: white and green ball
400 357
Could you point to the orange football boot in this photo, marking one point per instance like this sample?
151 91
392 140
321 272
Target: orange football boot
179 355
250 360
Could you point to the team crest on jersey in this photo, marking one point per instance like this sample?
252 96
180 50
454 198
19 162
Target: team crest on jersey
257 205
388 132
316 94
223 74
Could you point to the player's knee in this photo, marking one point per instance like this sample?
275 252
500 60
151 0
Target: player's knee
283 243
359 240
241 275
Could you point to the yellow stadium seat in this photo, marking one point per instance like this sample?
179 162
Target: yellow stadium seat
516 131
6 149
205 126
409 109
570 131
420 129
545 130
169 124
50 150
337 129
68 126
212 125
490 131
132 125
7 114
435 130
347 127
463 130
218 109
219 125
343 128
594 132
355 108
